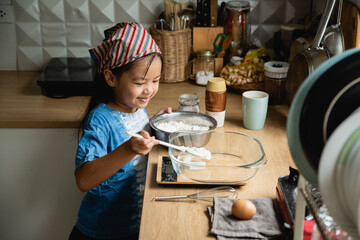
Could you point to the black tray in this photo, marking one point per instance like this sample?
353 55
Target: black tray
65 77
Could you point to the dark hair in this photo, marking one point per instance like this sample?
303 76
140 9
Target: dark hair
103 93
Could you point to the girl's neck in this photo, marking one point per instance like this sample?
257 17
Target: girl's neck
121 107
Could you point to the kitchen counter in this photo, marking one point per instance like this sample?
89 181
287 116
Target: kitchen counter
184 219
23 106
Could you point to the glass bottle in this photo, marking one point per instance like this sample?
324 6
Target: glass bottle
189 103
237 24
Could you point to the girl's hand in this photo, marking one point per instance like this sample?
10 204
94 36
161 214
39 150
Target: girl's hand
142 146
165 110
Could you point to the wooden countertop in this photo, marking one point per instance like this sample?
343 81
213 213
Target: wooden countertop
23 106
189 219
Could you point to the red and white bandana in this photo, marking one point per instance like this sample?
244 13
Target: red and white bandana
123 43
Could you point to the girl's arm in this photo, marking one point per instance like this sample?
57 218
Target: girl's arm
93 173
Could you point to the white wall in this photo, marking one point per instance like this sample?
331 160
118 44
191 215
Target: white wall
39 199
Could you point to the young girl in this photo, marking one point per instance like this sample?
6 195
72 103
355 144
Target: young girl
110 165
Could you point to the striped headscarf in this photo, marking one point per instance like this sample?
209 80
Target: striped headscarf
123 43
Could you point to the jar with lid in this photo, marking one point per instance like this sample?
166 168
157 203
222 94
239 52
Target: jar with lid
215 99
275 81
204 66
237 24
189 103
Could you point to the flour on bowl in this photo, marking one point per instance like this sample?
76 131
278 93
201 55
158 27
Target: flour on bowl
174 126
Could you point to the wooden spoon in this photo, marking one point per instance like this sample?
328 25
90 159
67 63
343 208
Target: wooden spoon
226 43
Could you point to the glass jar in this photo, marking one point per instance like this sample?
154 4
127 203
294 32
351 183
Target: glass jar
189 103
237 24
275 81
204 65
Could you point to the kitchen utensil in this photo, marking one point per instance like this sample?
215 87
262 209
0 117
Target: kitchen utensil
199 152
172 7
327 177
304 63
207 195
320 105
298 45
221 17
225 44
350 24
213 13
235 157
219 41
333 40
199 13
346 180
172 22
191 120
187 14
161 24
206 13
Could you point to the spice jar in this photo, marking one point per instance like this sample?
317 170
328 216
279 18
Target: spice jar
237 24
205 65
215 99
189 103
275 81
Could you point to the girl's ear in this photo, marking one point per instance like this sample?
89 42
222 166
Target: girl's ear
109 77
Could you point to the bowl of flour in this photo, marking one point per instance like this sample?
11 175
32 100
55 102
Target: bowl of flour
167 123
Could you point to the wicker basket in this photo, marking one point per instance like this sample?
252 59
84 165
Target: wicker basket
175 47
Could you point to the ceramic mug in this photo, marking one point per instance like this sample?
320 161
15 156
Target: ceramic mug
254 109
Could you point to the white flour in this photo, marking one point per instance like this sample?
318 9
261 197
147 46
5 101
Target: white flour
174 126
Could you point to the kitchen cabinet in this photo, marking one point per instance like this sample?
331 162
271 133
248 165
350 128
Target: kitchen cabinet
39 198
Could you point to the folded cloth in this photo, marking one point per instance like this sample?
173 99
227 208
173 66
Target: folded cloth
263 225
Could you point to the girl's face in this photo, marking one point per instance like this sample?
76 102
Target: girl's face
133 89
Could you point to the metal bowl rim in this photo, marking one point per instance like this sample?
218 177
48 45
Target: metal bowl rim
153 120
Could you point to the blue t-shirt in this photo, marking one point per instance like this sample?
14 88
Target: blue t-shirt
112 209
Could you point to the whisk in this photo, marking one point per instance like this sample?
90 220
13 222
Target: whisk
207 195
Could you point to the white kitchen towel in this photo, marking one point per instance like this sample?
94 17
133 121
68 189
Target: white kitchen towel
263 225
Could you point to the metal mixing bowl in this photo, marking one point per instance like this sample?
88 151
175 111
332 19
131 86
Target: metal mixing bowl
188 118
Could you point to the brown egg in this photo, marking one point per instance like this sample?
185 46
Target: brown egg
243 209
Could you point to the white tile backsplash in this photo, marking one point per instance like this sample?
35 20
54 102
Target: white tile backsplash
28 34
102 11
78 35
97 32
77 11
52 11
44 29
53 34
53 52
30 58
27 11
